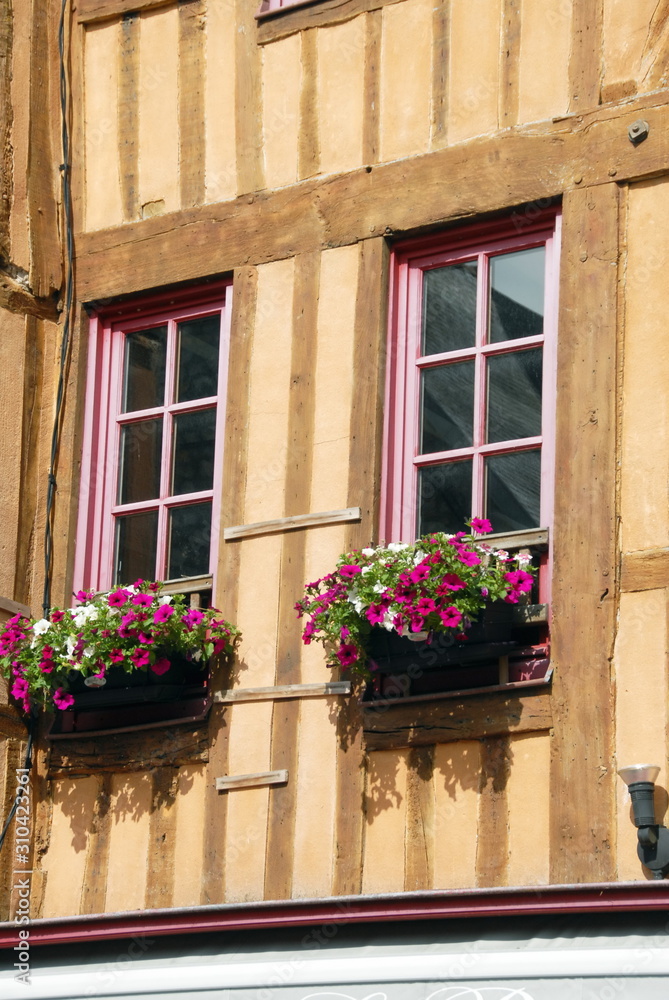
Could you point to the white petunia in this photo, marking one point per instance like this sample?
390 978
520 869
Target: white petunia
366 569
40 627
397 546
71 643
167 599
368 552
89 651
379 588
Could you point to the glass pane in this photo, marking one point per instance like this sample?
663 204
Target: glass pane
444 497
449 308
189 540
140 455
144 379
517 295
447 407
514 395
193 456
198 358
513 490
136 540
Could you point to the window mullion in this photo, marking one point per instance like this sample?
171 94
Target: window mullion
479 385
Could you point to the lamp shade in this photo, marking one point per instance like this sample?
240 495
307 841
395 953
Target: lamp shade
639 772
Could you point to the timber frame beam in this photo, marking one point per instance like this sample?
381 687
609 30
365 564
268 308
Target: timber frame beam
520 166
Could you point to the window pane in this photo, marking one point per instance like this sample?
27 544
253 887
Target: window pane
512 490
140 455
514 395
189 540
198 358
136 540
193 457
444 497
517 295
144 379
449 308
447 407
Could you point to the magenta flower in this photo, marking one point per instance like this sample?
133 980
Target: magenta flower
347 654
57 616
481 525
164 612
425 606
348 572
519 580
62 699
375 613
146 639
468 558
192 617
421 572
142 600
20 688
309 630
140 657
450 617
161 666
117 598
128 619
512 597
450 582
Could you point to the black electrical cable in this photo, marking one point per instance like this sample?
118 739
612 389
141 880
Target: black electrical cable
26 767
67 308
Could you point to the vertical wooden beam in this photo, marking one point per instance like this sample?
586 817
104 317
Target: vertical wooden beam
45 251
363 483
370 110
6 118
248 101
97 858
191 102
244 298
286 714
419 863
441 52
492 852
162 838
128 116
308 151
584 584
509 71
585 63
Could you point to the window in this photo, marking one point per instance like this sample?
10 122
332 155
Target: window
470 413
471 384
268 7
153 440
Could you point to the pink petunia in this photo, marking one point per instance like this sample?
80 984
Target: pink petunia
481 525
192 617
451 617
142 600
375 613
19 688
519 580
425 605
347 654
62 699
164 612
451 581
309 630
161 666
146 639
348 572
420 573
468 558
57 616
117 598
140 657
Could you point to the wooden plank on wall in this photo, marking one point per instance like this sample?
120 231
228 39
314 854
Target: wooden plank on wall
509 71
162 838
585 64
257 780
286 714
522 165
45 251
308 150
492 850
191 102
645 570
583 796
420 822
88 11
326 689
120 753
441 46
291 523
6 115
370 121
128 115
248 103
325 12
94 892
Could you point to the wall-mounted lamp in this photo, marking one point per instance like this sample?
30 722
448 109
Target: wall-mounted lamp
653 849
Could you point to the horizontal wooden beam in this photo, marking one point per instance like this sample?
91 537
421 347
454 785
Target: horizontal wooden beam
518 539
287 21
444 720
88 11
521 166
14 608
647 569
257 780
325 689
292 523
187 585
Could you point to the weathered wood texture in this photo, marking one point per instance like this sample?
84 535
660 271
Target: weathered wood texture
646 570
510 63
172 746
584 64
583 796
285 715
492 850
419 857
191 102
6 116
326 12
257 780
248 104
285 691
525 165
88 11
128 116
291 523
443 720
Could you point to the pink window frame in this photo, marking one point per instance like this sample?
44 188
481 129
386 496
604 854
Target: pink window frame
268 7
94 553
401 459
